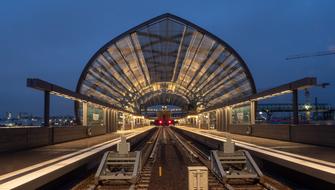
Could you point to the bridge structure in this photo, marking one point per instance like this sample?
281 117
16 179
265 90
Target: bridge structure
165 61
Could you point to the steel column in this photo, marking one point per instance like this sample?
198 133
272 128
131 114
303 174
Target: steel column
110 121
228 118
252 112
295 119
85 107
218 118
46 108
224 120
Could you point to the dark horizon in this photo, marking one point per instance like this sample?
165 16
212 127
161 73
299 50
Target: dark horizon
54 41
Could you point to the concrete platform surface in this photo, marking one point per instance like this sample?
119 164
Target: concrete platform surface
27 165
317 161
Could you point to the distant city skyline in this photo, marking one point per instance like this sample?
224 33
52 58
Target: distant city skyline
54 41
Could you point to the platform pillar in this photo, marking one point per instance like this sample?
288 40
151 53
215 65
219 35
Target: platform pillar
123 122
104 113
224 119
111 120
218 118
107 120
252 112
295 109
132 122
85 106
228 118
116 120
221 119
46 108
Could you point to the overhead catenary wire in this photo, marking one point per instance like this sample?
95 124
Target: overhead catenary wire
307 55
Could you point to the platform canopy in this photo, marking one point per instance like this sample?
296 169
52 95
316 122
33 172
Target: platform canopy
166 61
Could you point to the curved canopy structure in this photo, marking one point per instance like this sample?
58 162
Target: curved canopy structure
166 61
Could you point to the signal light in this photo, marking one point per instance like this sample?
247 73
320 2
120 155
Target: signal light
169 121
160 122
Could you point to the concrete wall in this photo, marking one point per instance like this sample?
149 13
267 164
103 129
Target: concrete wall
311 134
63 134
98 131
318 135
279 132
19 138
38 137
22 138
239 129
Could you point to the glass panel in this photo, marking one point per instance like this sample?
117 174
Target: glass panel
95 116
166 61
240 115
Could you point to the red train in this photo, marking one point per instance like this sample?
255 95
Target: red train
164 119
164 122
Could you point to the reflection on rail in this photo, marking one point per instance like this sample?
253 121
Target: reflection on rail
225 168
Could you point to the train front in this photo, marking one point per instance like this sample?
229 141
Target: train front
164 119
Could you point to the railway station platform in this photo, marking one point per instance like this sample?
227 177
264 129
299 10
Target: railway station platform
31 168
174 67
316 161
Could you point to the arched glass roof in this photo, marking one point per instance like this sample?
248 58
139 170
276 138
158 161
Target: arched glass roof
166 61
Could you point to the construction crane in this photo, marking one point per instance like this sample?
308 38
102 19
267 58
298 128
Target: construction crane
315 54
322 85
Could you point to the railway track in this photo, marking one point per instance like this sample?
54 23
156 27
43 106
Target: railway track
145 175
193 153
201 153
196 158
148 154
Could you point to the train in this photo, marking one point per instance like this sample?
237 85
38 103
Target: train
164 119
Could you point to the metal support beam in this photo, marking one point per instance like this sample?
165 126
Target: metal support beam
110 121
46 108
113 121
116 121
252 112
228 118
105 119
123 122
219 126
224 119
108 118
85 113
295 119
39 84
277 91
221 112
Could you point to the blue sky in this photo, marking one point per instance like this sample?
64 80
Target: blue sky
53 40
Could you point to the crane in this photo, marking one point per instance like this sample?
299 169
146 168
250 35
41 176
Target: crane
315 54
322 85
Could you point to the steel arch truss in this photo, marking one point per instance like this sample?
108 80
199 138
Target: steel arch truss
166 58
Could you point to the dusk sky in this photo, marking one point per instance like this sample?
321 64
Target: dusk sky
53 40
